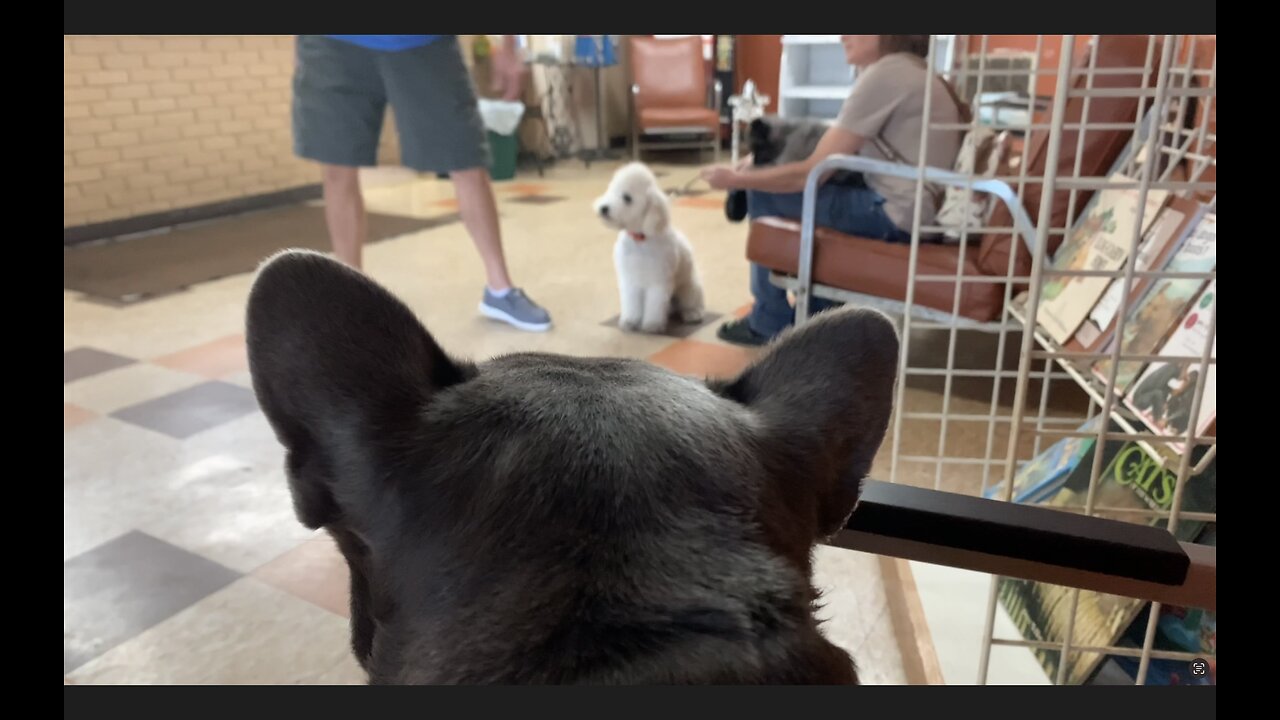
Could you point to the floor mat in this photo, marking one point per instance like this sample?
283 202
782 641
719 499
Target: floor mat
132 270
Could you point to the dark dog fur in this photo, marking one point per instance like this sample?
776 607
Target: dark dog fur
775 141
550 519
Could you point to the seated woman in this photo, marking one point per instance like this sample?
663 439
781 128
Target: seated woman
882 118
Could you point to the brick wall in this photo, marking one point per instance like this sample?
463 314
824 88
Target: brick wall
163 122
155 123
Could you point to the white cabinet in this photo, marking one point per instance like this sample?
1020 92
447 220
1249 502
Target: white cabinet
815 79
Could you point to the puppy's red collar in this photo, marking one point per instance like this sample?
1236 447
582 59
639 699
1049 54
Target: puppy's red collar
638 237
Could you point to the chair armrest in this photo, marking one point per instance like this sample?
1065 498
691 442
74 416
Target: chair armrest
1021 221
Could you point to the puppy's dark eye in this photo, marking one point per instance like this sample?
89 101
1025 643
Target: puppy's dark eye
626 198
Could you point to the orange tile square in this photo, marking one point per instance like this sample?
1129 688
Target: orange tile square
216 359
743 311
521 188
700 359
74 415
451 203
314 571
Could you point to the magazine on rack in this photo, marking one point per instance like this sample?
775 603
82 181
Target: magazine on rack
1159 243
1155 316
1100 240
1130 481
1045 473
1163 395
1187 630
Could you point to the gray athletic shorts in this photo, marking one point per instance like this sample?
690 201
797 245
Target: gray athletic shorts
340 94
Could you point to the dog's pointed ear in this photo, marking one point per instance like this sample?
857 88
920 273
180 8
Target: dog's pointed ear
657 212
343 371
823 394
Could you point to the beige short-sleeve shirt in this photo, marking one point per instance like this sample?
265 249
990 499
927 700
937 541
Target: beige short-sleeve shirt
887 99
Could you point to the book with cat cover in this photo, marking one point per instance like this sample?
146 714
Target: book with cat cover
1132 480
1100 240
1157 314
1159 243
1163 394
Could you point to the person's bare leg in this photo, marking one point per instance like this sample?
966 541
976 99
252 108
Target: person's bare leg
344 213
480 216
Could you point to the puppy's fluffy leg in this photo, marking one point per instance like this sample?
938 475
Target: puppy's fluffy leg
689 301
632 302
657 308
689 296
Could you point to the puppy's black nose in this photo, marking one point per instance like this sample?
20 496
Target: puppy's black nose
604 210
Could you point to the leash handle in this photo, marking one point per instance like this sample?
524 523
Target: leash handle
684 189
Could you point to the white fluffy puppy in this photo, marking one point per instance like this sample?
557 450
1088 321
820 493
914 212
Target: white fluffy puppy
654 261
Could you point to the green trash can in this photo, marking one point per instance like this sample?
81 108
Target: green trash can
504 149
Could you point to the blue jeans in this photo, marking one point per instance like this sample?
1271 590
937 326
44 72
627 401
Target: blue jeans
850 210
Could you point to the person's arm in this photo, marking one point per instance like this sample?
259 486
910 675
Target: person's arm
788 177
508 69
871 102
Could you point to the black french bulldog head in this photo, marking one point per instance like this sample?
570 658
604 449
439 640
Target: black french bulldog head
542 518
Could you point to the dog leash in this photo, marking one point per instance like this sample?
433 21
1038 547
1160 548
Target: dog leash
746 107
684 189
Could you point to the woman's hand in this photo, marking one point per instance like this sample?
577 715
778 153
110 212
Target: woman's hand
720 177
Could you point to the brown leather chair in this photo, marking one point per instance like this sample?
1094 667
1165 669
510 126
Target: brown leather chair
876 268
670 93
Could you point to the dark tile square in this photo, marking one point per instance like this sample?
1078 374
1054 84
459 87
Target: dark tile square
84 362
145 266
120 588
675 328
537 199
187 412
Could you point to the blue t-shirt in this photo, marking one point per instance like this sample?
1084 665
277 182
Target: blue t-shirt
388 43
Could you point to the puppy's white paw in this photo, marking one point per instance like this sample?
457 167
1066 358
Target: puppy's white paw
654 326
627 324
692 315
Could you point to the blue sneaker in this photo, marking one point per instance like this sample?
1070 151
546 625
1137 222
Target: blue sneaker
515 308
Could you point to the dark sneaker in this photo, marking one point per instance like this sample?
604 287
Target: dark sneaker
739 332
